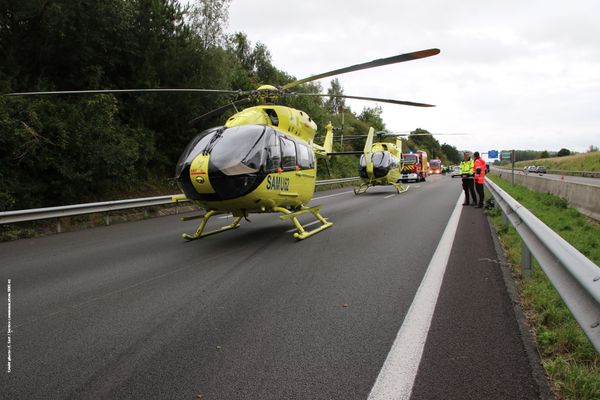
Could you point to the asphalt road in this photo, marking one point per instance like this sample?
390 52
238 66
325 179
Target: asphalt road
134 311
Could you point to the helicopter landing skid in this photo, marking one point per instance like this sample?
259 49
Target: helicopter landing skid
199 232
400 188
362 188
302 233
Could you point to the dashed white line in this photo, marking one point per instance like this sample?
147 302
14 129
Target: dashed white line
391 195
304 226
397 376
331 195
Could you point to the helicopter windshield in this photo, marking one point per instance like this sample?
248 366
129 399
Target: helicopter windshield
240 150
195 147
381 159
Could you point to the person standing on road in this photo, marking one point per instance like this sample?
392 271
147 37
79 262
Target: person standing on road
466 171
479 177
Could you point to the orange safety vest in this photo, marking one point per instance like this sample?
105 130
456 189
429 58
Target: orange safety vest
479 177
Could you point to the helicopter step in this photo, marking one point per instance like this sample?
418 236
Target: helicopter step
200 231
302 233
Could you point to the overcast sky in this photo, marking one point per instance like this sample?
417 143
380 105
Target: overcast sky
514 74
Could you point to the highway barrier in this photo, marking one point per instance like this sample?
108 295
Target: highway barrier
573 275
10 217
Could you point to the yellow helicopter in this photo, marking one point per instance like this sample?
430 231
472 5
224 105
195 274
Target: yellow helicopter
380 164
262 160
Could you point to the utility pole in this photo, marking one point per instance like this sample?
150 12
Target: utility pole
513 166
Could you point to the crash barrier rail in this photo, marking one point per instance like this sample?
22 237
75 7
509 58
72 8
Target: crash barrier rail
336 181
573 275
9 217
591 174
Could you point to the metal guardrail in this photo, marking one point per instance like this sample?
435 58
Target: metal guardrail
574 276
591 174
9 217
336 181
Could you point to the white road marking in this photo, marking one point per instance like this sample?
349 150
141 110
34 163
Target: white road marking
304 226
391 195
226 216
397 376
331 195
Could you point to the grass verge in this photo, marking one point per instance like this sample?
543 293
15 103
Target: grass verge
569 359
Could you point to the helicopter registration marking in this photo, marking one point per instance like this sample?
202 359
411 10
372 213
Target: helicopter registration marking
196 172
278 183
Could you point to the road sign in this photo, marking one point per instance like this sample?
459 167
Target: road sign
505 155
492 153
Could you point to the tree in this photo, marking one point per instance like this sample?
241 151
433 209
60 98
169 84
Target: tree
563 152
335 104
372 116
207 19
545 154
592 148
452 154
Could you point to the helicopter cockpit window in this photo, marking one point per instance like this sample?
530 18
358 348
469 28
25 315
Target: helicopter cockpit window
195 147
363 161
273 152
240 150
381 159
288 153
305 156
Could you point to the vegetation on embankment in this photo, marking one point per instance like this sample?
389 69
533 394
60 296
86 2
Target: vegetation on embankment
70 149
578 162
568 357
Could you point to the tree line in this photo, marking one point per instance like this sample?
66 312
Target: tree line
57 150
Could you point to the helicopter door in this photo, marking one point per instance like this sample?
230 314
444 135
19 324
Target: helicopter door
305 168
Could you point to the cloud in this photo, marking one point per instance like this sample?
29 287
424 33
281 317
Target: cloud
516 74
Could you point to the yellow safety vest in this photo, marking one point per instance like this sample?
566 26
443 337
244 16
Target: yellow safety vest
466 167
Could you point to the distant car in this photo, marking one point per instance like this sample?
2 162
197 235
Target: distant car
455 172
540 169
531 168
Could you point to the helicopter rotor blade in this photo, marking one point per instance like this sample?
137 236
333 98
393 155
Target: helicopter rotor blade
377 99
405 135
371 64
220 110
59 92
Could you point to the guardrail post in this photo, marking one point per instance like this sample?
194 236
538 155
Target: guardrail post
525 260
107 219
58 226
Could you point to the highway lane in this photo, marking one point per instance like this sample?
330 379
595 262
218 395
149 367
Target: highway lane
133 311
556 177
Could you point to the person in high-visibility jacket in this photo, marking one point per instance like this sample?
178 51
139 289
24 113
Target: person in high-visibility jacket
479 177
467 171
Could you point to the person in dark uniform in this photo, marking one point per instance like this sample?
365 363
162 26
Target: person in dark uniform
466 171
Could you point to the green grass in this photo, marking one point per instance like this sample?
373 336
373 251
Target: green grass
578 162
568 357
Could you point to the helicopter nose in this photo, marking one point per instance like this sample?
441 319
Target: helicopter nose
199 174
193 178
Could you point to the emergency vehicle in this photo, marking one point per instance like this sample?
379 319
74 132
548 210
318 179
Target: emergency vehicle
436 166
415 166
